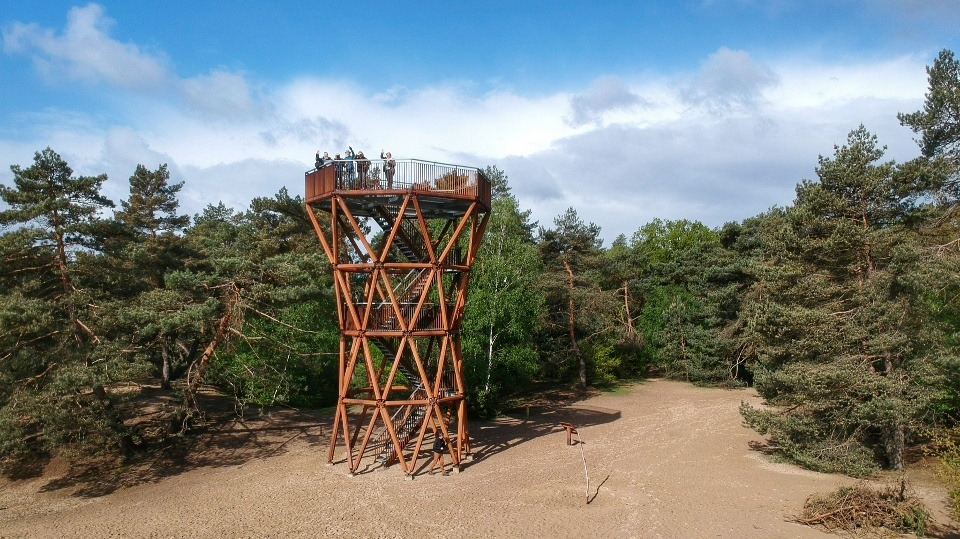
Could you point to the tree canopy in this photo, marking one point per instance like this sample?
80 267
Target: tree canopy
841 308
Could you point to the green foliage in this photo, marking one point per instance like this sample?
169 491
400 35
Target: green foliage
286 351
152 206
283 363
483 403
693 285
576 307
90 305
947 450
65 411
53 398
62 206
505 306
604 365
814 431
939 121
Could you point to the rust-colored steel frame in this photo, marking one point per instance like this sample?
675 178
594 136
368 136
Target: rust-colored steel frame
408 310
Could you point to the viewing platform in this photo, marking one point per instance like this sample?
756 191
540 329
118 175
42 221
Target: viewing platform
364 184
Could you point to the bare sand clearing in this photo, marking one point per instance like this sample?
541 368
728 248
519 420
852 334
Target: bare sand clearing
665 459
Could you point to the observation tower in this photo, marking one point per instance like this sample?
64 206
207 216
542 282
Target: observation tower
401 240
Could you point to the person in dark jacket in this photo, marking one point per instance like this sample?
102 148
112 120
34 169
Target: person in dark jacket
363 167
338 165
439 448
351 168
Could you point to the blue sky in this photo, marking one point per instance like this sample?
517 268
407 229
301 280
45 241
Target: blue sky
628 111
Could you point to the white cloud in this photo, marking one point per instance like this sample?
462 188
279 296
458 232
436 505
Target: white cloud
728 80
237 183
806 84
428 122
220 94
84 52
605 94
674 162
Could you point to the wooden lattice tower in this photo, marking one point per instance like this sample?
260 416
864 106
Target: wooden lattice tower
401 244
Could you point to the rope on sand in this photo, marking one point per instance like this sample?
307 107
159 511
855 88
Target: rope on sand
571 430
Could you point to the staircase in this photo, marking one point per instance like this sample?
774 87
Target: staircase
407 419
405 429
408 239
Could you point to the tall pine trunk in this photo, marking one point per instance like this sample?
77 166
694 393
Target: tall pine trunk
893 441
572 325
631 330
67 286
204 362
165 369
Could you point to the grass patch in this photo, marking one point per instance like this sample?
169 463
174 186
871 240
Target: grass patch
619 390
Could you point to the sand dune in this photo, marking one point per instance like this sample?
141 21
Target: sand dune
665 459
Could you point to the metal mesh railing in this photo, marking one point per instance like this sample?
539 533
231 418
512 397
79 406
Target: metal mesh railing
411 174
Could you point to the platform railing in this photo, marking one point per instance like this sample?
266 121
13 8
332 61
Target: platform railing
408 174
383 317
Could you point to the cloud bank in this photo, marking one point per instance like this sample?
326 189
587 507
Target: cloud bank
721 143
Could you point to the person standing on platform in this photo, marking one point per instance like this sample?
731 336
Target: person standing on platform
363 166
389 167
338 165
351 167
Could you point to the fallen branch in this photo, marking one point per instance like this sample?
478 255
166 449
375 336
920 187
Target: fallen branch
275 320
204 361
860 508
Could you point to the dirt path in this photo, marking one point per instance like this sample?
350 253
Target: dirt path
666 459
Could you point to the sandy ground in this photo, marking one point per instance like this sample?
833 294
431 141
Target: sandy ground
665 459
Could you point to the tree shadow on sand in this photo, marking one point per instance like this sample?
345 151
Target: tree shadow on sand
222 439
225 439
519 425
527 423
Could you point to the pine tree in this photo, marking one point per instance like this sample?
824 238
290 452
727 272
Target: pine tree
937 174
63 212
938 124
152 246
691 284
567 251
152 206
53 374
838 317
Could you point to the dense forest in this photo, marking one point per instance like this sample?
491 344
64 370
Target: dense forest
841 309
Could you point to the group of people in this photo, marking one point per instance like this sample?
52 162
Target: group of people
353 169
